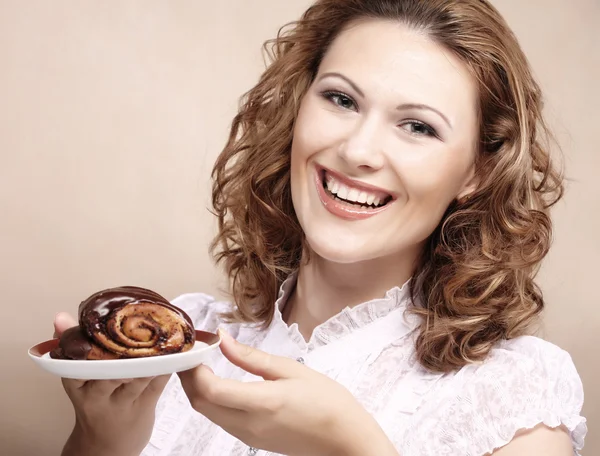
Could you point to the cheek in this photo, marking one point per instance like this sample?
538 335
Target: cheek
299 156
309 139
317 129
432 179
301 152
301 146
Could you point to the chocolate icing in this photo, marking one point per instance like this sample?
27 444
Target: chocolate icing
73 344
100 304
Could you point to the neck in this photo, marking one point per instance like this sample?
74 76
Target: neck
325 288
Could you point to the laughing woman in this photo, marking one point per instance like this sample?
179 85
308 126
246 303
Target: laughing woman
383 209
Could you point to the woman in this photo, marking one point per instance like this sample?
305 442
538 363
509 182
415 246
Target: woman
382 205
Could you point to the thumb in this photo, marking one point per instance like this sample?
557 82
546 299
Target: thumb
62 322
257 362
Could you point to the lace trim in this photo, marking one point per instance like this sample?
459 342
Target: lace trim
575 424
346 321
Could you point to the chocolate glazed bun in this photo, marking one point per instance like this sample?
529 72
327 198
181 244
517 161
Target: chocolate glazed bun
126 322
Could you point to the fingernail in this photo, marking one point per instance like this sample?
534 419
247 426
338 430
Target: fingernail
228 337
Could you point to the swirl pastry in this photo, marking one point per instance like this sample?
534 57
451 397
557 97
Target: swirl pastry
126 322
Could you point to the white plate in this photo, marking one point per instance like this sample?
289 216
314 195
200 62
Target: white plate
113 369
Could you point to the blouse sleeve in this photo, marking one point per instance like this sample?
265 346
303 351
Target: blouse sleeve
524 382
203 309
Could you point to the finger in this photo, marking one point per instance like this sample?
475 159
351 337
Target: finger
231 420
201 386
149 387
235 422
62 322
72 386
156 386
103 387
131 390
265 365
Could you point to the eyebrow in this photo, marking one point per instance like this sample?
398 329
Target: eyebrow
425 108
419 106
341 76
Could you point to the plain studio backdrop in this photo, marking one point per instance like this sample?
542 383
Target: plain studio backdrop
111 116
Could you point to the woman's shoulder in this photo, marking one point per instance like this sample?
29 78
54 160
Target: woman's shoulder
532 355
530 346
204 310
524 382
529 368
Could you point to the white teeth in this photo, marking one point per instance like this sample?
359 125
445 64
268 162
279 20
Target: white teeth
353 195
332 185
343 192
350 194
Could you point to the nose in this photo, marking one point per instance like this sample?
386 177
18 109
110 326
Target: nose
362 145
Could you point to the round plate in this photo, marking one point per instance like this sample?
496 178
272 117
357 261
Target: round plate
113 369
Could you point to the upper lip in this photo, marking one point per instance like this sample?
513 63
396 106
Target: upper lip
357 184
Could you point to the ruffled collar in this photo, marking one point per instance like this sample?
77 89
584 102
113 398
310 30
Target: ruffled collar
346 321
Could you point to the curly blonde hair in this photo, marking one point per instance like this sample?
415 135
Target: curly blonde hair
475 279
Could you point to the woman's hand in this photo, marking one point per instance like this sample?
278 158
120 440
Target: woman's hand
295 411
112 417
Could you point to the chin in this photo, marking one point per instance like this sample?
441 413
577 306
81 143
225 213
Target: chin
342 250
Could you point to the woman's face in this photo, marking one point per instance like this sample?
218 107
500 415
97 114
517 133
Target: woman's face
384 141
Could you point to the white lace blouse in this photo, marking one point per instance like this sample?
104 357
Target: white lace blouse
370 350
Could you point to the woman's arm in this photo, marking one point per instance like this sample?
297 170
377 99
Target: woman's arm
112 417
295 410
368 440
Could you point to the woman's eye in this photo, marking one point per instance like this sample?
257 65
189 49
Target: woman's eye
414 127
341 100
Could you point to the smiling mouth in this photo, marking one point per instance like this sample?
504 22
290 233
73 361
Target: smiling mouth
353 196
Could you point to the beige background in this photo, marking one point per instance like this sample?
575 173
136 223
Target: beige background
111 115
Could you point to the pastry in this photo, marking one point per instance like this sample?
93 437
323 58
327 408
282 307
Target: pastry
126 322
